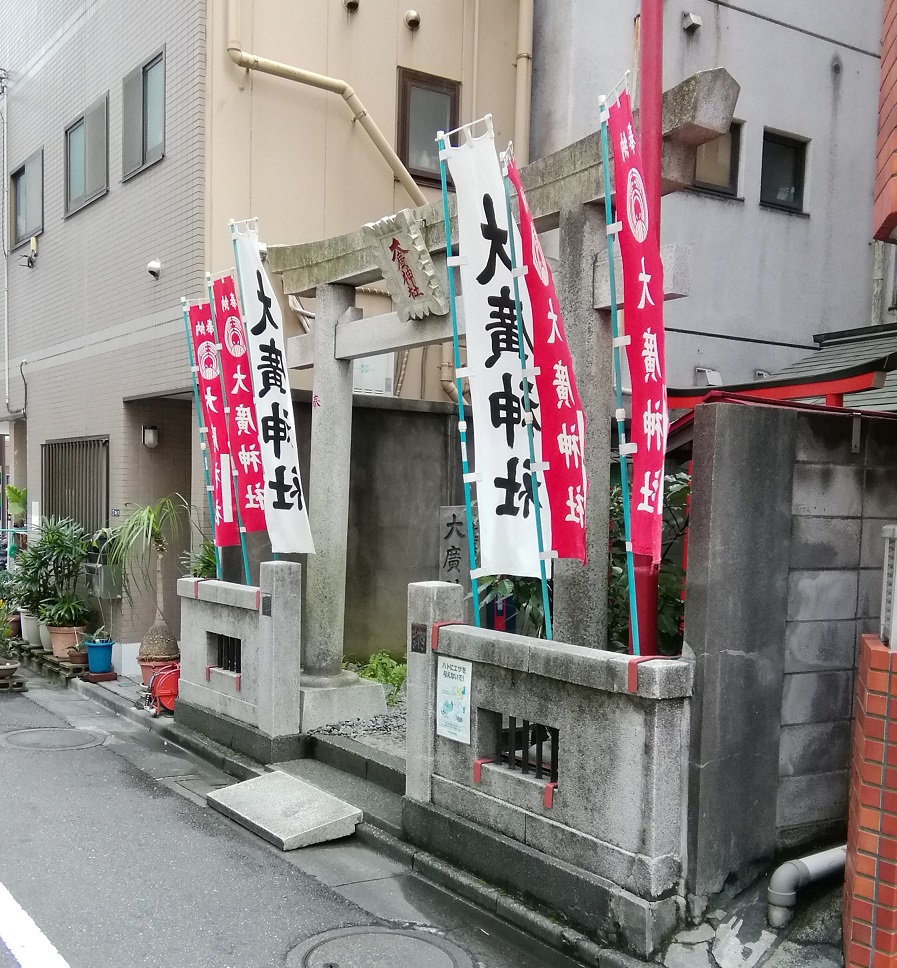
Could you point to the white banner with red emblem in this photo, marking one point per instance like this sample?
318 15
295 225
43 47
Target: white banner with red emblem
241 427
643 325
562 415
208 380
508 535
284 500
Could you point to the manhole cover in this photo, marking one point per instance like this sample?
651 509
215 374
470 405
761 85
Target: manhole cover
377 947
50 738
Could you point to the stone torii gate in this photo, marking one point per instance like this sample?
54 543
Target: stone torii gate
564 191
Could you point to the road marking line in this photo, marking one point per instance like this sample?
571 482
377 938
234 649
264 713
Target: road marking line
26 942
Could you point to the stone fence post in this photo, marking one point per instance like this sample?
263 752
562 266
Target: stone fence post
429 602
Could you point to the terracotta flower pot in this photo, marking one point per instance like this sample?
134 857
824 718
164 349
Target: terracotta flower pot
8 668
64 637
76 657
14 622
149 667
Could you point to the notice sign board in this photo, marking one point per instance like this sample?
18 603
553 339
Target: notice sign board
453 679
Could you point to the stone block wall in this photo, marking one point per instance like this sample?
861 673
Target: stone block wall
255 711
784 575
870 884
615 818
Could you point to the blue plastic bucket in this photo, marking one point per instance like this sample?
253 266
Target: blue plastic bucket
99 656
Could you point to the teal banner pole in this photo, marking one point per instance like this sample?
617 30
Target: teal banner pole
618 342
528 416
202 436
233 469
462 423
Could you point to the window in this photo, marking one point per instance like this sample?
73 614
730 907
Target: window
427 104
86 160
782 177
716 165
143 116
75 480
27 195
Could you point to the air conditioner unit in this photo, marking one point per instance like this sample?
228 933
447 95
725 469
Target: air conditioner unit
375 375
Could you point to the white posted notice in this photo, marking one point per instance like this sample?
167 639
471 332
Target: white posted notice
453 679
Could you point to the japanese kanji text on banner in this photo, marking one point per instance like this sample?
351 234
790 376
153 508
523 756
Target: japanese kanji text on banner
562 415
285 510
241 425
643 323
208 378
508 537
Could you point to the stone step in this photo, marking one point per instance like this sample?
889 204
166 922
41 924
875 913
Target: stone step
385 769
382 808
285 810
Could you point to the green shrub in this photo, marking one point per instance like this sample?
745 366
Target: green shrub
382 667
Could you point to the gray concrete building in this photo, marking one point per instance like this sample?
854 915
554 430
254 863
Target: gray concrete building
780 217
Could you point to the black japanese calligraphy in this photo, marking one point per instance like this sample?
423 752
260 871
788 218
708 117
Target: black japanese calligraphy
267 319
497 239
270 368
452 560
276 428
454 527
503 328
515 490
286 488
505 409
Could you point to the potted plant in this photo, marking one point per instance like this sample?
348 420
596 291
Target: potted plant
8 605
66 619
77 654
30 589
202 563
99 651
146 533
8 662
16 504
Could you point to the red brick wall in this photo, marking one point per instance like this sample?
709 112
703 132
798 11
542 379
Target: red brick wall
885 211
870 884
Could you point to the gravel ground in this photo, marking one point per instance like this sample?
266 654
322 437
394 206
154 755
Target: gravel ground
392 723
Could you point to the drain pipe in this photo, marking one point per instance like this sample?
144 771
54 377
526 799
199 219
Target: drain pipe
788 879
359 113
446 372
523 94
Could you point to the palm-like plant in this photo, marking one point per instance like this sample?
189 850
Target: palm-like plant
149 528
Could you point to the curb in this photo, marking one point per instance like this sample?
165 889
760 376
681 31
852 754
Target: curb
429 867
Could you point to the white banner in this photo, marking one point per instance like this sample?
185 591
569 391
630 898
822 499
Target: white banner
508 536
285 510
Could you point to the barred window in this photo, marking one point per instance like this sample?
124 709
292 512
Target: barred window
75 480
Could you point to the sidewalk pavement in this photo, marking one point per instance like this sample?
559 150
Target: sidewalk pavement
734 935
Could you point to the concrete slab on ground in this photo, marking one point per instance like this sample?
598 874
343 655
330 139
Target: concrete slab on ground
286 811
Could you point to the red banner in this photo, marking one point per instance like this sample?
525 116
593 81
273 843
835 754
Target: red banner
561 412
643 324
208 378
242 431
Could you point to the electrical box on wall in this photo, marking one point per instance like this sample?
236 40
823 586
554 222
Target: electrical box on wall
375 375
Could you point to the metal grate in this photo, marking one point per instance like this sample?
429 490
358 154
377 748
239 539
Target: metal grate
230 653
75 480
889 578
528 747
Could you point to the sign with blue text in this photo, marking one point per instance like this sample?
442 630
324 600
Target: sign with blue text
453 682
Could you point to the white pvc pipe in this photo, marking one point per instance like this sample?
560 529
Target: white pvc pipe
787 880
333 84
523 94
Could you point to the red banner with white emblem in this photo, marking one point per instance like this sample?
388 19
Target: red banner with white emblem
562 415
208 378
242 431
643 325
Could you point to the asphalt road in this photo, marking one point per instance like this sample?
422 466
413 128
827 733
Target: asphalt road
113 854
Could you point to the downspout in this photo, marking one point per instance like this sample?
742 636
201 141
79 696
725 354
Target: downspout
523 96
787 880
446 372
359 113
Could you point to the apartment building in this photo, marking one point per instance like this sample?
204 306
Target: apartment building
131 138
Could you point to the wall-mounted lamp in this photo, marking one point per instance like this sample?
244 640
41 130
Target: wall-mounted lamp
150 437
31 258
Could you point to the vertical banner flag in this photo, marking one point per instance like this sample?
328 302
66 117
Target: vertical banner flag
208 378
285 511
241 426
643 324
562 415
508 538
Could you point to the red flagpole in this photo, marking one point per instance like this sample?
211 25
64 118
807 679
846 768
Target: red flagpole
650 132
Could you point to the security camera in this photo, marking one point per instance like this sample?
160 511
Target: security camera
154 268
412 19
351 5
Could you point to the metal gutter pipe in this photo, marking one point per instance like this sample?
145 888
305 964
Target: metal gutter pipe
523 96
251 62
788 879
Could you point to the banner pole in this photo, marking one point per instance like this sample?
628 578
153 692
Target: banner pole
233 470
618 381
462 423
528 417
202 436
